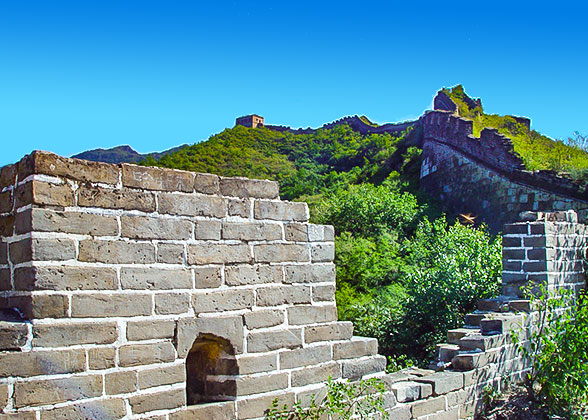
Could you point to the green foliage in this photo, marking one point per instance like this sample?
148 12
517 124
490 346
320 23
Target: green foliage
343 400
557 352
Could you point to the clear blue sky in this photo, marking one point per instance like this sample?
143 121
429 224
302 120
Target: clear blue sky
77 75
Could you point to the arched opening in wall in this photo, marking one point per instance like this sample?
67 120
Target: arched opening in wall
211 370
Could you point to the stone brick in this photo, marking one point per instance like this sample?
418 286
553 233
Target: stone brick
213 411
116 252
311 314
188 329
150 329
264 318
239 207
46 220
3 396
247 385
407 391
13 335
357 368
155 278
6 226
243 187
320 233
8 175
296 232
65 278
211 253
264 341
100 358
252 274
207 229
3 253
121 382
140 227
251 231
166 375
42 362
40 162
38 306
6 202
206 183
124 198
444 382
44 193
356 347
159 179
323 252
163 400
5 279
113 408
306 356
280 210
110 305
323 293
428 406
54 391
223 300
280 295
281 253
21 415
59 334
328 332
42 249
255 407
207 277
310 273
315 374
146 354
172 303
257 363
192 205
170 253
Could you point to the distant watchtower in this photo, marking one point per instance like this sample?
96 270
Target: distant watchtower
251 121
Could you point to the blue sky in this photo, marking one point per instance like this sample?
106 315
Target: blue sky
77 75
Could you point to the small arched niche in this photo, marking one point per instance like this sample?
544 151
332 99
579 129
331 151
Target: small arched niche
211 370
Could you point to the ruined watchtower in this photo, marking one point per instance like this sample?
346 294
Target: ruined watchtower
252 121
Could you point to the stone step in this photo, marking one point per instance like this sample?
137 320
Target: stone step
446 352
481 342
520 305
500 323
499 304
453 336
473 319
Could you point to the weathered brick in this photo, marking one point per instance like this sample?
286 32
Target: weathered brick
316 374
42 362
307 356
8 175
21 415
172 303
150 329
188 329
206 183
320 233
192 205
59 334
281 253
166 375
428 406
247 385
102 305
207 229
13 335
311 314
207 277
323 293
38 306
215 411
280 210
140 227
444 382
65 278
124 198
116 252
251 231
407 391
3 396
323 252
243 187
170 253
6 226
42 249
160 179
155 278
257 363
3 253
356 347
239 207
223 300
40 162
328 332
5 279
255 407
296 232
356 369
113 408
252 274
210 253
44 193
163 400
100 358
263 341
46 220
146 354
6 202
280 295
511 242
311 273
121 382
54 391
264 318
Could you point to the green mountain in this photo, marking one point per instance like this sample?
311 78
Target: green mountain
122 154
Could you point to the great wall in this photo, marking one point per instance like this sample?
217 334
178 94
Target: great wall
147 293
